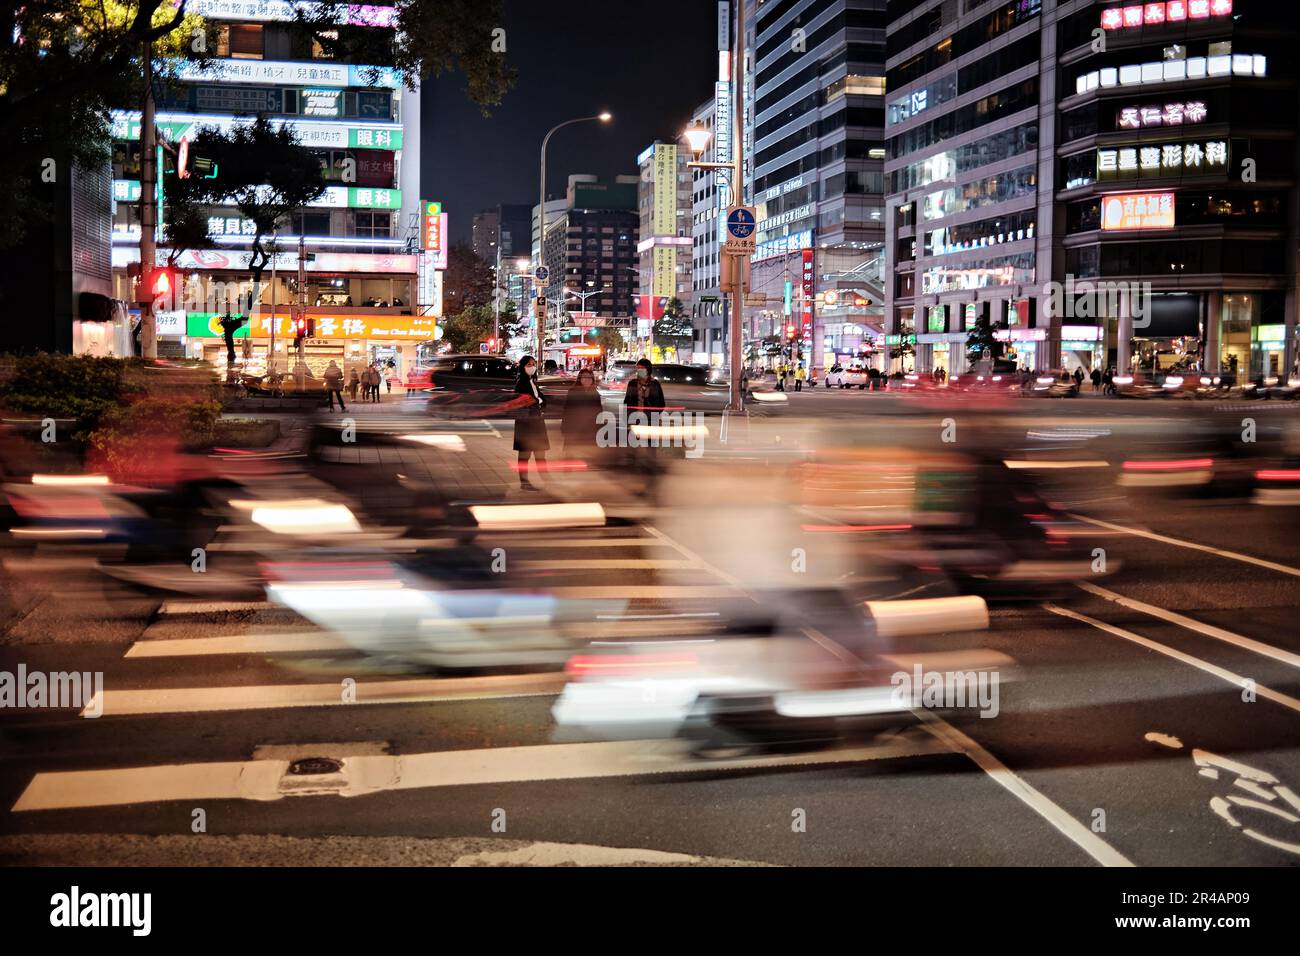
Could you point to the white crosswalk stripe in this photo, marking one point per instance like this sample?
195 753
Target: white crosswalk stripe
268 779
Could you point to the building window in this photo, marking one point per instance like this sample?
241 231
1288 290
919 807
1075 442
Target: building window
312 223
242 41
374 225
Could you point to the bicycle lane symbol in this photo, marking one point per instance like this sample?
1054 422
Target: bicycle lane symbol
1266 794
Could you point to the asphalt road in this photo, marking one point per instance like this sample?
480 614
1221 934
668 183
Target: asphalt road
1150 718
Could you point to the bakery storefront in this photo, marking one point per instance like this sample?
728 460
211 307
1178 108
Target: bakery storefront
349 340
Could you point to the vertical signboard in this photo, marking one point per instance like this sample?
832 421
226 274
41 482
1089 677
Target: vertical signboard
430 226
665 184
809 279
665 271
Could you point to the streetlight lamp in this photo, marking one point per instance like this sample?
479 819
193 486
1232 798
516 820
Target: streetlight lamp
602 117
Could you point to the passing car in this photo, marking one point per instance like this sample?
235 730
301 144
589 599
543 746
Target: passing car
841 376
1052 384
463 373
619 372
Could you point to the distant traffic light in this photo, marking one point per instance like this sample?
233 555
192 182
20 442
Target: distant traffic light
789 332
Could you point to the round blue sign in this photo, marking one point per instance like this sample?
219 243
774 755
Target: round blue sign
542 273
740 223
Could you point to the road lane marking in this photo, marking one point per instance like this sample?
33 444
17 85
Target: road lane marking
1213 669
647 592
214 607
190 700
1209 630
1072 829
297 642
366 774
641 542
1192 545
290 642
601 564
690 555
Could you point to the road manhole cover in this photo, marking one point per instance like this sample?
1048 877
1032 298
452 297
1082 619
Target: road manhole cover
315 766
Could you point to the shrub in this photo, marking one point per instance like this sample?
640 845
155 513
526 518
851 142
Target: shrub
136 442
80 387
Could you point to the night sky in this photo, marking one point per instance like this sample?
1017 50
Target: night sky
649 63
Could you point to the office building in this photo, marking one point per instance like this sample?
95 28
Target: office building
817 126
590 250
370 287
664 208
1106 184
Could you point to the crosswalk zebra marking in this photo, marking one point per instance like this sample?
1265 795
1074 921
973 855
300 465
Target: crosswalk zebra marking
264 780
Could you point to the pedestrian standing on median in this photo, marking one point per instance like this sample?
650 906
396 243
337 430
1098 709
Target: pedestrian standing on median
582 406
374 383
334 385
1096 379
800 374
645 396
354 382
530 424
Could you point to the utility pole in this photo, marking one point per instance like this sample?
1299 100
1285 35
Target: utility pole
270 351
300 369
737 401
496 296
148 208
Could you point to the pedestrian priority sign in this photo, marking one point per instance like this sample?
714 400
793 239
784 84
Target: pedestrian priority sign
741 229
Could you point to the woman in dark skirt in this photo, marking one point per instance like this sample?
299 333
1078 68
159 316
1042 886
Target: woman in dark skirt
530 426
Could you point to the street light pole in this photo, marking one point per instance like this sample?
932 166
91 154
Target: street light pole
737 402
541 214
496 296
697 136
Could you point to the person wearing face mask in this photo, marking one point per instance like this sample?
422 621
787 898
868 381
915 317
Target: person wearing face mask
644 393
530 425
581 406
645 396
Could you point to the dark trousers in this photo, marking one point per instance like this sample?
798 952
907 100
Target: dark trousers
339 392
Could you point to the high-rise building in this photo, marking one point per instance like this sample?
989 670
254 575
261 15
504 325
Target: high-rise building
708 304
664 206
1176 170
483 234
814 111
372 294
500 237
1105 184
590 249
